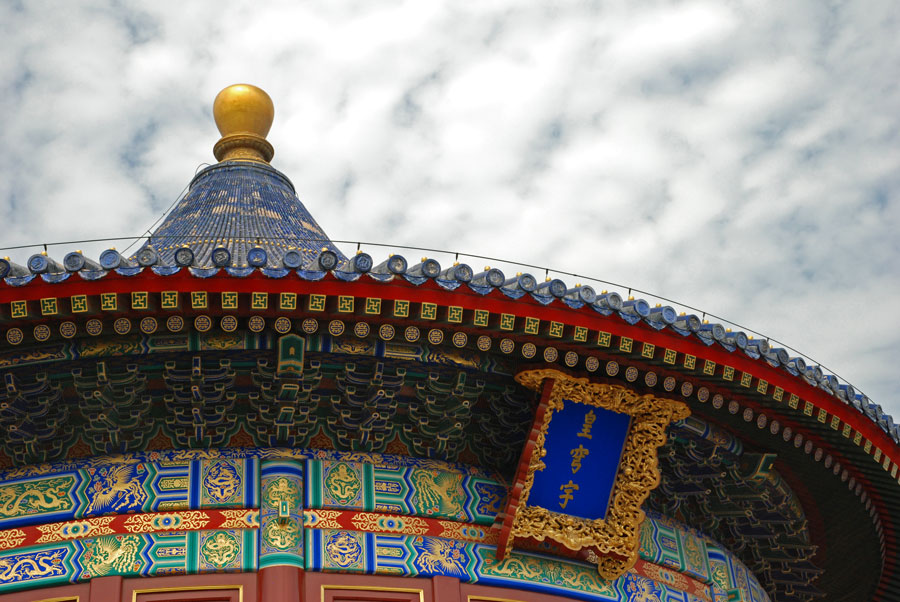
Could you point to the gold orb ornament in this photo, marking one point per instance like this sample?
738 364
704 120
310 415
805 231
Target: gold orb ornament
243 114
243 108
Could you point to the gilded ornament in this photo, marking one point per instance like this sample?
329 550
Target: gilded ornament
436 556
438 493
192 520
322 519
220 549
112 555
79 529
34 497
116 488
34 565
343 549
343 484
240 519
668 577
469 532
719 574
692 552
370 521
11 538
282 534
221 481
534 569
281 490
615 537
642 589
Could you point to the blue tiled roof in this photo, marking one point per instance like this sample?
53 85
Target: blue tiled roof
238 206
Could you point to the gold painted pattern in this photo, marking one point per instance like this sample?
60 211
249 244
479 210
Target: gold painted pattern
322 519
469 532
525 567
148 523
36 496
240 519
367 521
11 538
75 529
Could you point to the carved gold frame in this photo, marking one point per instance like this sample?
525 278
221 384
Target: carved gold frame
615 538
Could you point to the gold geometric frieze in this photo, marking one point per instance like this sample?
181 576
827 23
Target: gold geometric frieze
199 300
316 303
259 301
19 309
604 339
140 300
169 299
79 303
345 304
401 308
373 306
556 329
229 300
455 314
109 302
49 306
428 311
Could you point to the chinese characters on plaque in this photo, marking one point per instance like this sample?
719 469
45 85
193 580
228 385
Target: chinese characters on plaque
584 446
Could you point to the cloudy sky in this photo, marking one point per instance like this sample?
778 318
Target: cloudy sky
742 157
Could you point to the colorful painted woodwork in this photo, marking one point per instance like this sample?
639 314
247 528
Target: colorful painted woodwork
178 512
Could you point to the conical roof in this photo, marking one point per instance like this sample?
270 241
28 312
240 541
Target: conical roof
242 202
239 205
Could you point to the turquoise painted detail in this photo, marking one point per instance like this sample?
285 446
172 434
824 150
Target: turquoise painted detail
281 514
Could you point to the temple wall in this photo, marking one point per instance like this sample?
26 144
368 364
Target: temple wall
240 510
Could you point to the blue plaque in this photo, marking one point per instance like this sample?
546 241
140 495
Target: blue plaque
584 446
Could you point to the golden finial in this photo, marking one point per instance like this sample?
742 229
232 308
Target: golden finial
243 114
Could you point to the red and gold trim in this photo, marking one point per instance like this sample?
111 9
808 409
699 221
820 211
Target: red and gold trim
121 524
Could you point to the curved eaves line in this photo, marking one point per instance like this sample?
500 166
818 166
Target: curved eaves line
828 382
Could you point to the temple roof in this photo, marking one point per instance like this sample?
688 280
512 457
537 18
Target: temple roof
242 211
238 206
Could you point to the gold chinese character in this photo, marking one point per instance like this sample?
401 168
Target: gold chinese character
568 488
588 423
578 455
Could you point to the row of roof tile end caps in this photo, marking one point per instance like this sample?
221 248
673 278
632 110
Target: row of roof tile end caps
606 303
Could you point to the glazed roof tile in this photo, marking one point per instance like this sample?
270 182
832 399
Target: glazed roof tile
239 206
